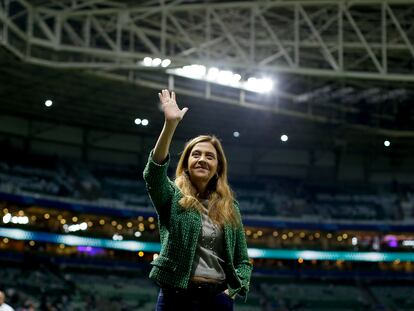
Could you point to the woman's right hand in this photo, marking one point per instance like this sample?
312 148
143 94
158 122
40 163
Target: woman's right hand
172 112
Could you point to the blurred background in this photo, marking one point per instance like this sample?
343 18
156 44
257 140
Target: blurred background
312 100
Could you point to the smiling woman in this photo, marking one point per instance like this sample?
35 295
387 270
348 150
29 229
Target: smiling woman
203 263
202 175
202 165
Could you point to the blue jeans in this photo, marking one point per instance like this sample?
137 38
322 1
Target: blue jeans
170 300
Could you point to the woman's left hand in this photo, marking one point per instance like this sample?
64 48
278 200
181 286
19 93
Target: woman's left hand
227 293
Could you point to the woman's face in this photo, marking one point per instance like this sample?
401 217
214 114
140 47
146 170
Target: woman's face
202 162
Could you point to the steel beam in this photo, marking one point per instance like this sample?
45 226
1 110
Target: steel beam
274 36
336 39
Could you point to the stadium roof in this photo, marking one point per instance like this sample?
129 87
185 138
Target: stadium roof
344 71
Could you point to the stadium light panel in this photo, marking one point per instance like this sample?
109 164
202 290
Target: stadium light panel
21 220
263 85
194 71
408 243
147 61
236 134
7 218
267 84
212 74
224 77
144 122
165 63
48 103
156 62
284 138
235 80
75 227
387 143
117 237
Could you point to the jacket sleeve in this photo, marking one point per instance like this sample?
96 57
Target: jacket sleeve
241 260
160 188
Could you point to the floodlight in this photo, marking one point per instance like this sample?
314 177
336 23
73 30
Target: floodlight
156 62
212 73
235 79
259 85
408 243
147 61
7 218
117 237
266 85
225 77
165 63
194 71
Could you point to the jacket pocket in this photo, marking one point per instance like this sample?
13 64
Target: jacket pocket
165 263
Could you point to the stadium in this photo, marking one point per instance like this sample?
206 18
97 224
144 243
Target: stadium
311 100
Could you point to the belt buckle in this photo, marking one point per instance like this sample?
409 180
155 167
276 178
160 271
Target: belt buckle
208 288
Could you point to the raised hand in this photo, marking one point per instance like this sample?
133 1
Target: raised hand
172 112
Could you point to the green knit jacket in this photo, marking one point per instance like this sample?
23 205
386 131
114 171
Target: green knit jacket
179 232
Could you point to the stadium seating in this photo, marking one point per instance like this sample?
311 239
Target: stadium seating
123 187
70 289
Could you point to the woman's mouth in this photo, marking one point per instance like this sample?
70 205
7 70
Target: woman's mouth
201 168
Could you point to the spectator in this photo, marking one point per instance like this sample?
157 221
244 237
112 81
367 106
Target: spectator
4 306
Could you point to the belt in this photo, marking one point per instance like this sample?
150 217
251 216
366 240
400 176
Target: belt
207 287
198 289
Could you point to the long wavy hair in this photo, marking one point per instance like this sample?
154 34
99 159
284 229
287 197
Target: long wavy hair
220 197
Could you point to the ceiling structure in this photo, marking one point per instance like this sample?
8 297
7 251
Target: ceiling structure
344 70
332 60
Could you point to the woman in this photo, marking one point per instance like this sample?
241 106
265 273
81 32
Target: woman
203 263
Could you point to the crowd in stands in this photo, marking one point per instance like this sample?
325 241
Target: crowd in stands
50 288
123 187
